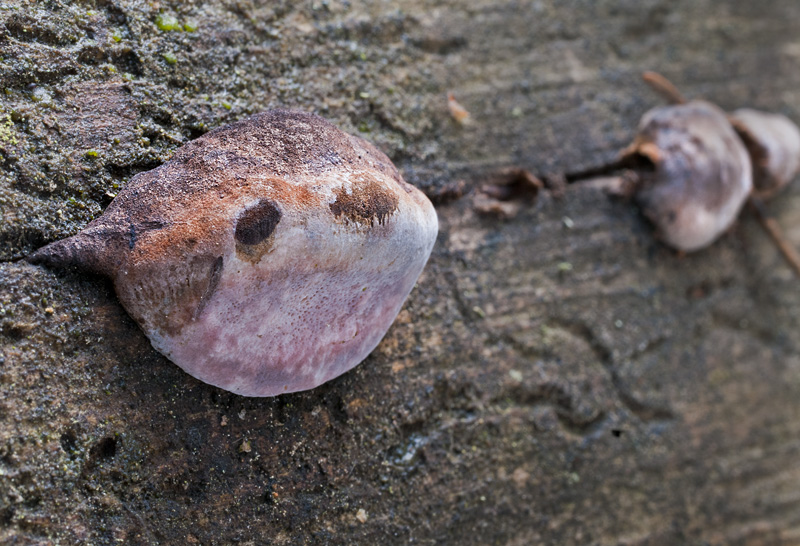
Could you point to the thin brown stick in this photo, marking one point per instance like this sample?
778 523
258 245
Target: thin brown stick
663 87
775 232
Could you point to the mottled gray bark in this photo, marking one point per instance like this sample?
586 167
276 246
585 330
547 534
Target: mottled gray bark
556 377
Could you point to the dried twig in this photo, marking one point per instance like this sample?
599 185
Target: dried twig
663 87
775 232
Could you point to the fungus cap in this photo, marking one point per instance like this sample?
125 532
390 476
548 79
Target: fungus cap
773 141
267 256
696 174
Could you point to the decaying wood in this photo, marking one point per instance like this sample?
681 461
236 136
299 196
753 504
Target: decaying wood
556 377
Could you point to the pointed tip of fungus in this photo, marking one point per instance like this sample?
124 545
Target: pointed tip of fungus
58 255
81 252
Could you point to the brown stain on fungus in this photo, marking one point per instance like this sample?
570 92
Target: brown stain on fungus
366 203
254 229
257 223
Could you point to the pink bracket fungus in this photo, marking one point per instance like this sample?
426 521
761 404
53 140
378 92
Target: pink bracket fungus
267 256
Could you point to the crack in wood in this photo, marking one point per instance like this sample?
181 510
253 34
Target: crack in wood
562 401
644 411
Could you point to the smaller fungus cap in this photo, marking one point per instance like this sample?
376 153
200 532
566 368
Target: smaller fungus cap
695 173
773 142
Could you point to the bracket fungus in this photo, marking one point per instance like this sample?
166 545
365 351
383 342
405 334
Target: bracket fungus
267 256
694 172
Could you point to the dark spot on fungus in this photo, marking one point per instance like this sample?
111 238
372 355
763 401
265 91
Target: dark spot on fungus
367 203
638 162
135 231
257 223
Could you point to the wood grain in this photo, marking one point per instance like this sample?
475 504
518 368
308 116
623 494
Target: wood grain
556 377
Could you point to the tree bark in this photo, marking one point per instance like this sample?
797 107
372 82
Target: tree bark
557 376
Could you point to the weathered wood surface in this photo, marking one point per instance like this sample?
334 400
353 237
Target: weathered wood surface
557 377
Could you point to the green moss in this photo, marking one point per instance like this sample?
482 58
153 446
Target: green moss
226 105
7 133
190 26
91 153
168 22
116 35
170 57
